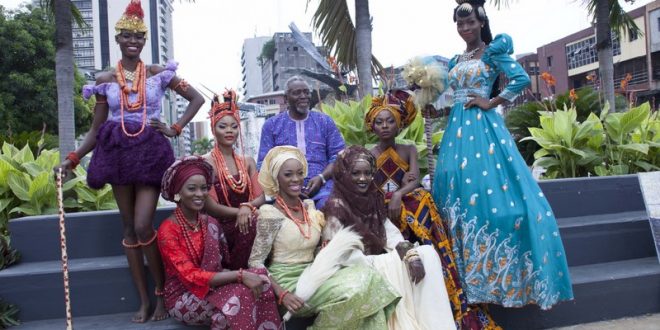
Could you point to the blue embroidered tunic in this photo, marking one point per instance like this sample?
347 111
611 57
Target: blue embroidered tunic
505 237
316 136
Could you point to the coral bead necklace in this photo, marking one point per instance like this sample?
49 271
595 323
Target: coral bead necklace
186 226
237 185
300 223
139 79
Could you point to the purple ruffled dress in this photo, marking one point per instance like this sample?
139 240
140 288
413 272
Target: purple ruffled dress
119 159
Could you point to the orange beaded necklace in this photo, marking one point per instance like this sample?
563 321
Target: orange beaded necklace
227 179
186 226
299 222
139 87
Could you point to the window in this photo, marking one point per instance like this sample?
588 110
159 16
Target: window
549 61
632 36
584 52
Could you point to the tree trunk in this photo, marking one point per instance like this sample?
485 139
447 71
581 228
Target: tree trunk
604 47
363 45
64 76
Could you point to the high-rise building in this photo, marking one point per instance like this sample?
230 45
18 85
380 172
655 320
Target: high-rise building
287 59
250 61
94 46
182 147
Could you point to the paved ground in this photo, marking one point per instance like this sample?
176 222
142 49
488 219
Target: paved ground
645 322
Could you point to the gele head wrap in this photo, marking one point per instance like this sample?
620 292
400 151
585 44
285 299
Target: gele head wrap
399 103
272 164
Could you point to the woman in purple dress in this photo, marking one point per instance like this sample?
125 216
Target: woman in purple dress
131 147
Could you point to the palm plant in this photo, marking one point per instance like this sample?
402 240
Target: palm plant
608 15
64 14
351 43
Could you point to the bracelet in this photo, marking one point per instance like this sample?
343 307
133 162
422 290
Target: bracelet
239 276
177 128
282 295
252 207
411 254
73 157
320 175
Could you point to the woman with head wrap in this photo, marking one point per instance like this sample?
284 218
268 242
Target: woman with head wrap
235 194
131 146
410 207
289 233
415 272
506 243
197 289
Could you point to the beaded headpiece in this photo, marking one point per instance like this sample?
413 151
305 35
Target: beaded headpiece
133 19
227 108
399 103
466 7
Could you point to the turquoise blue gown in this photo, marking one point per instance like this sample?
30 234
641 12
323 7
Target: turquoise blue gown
505 236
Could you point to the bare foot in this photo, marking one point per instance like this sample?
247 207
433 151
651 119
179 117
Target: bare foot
141 315
159 313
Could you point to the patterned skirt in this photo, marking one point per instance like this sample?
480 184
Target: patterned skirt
422 223
355 297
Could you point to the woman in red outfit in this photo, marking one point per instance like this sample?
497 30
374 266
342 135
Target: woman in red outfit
197 289
236 194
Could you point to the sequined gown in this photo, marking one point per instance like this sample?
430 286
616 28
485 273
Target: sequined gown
504 234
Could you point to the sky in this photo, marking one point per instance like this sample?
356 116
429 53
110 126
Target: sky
209 34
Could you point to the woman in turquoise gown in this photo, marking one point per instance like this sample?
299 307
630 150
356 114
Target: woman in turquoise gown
505 237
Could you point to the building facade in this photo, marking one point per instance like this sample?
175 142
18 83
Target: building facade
250 63
530 62
573 60
288 59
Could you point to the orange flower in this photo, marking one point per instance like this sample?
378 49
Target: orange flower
625 81
548 79
572 95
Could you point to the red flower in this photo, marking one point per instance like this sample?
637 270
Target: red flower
548 79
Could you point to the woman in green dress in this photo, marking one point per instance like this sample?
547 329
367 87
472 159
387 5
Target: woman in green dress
288 235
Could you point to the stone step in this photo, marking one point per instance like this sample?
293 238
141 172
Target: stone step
602 291
119 321
89 235
98 286
606 238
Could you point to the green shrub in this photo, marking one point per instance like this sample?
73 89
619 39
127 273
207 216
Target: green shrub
612 144
27 187
520 118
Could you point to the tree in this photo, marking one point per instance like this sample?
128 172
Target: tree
27 65
351 44
608 15
202 146
64 75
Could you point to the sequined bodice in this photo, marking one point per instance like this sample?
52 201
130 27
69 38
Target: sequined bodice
471 77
